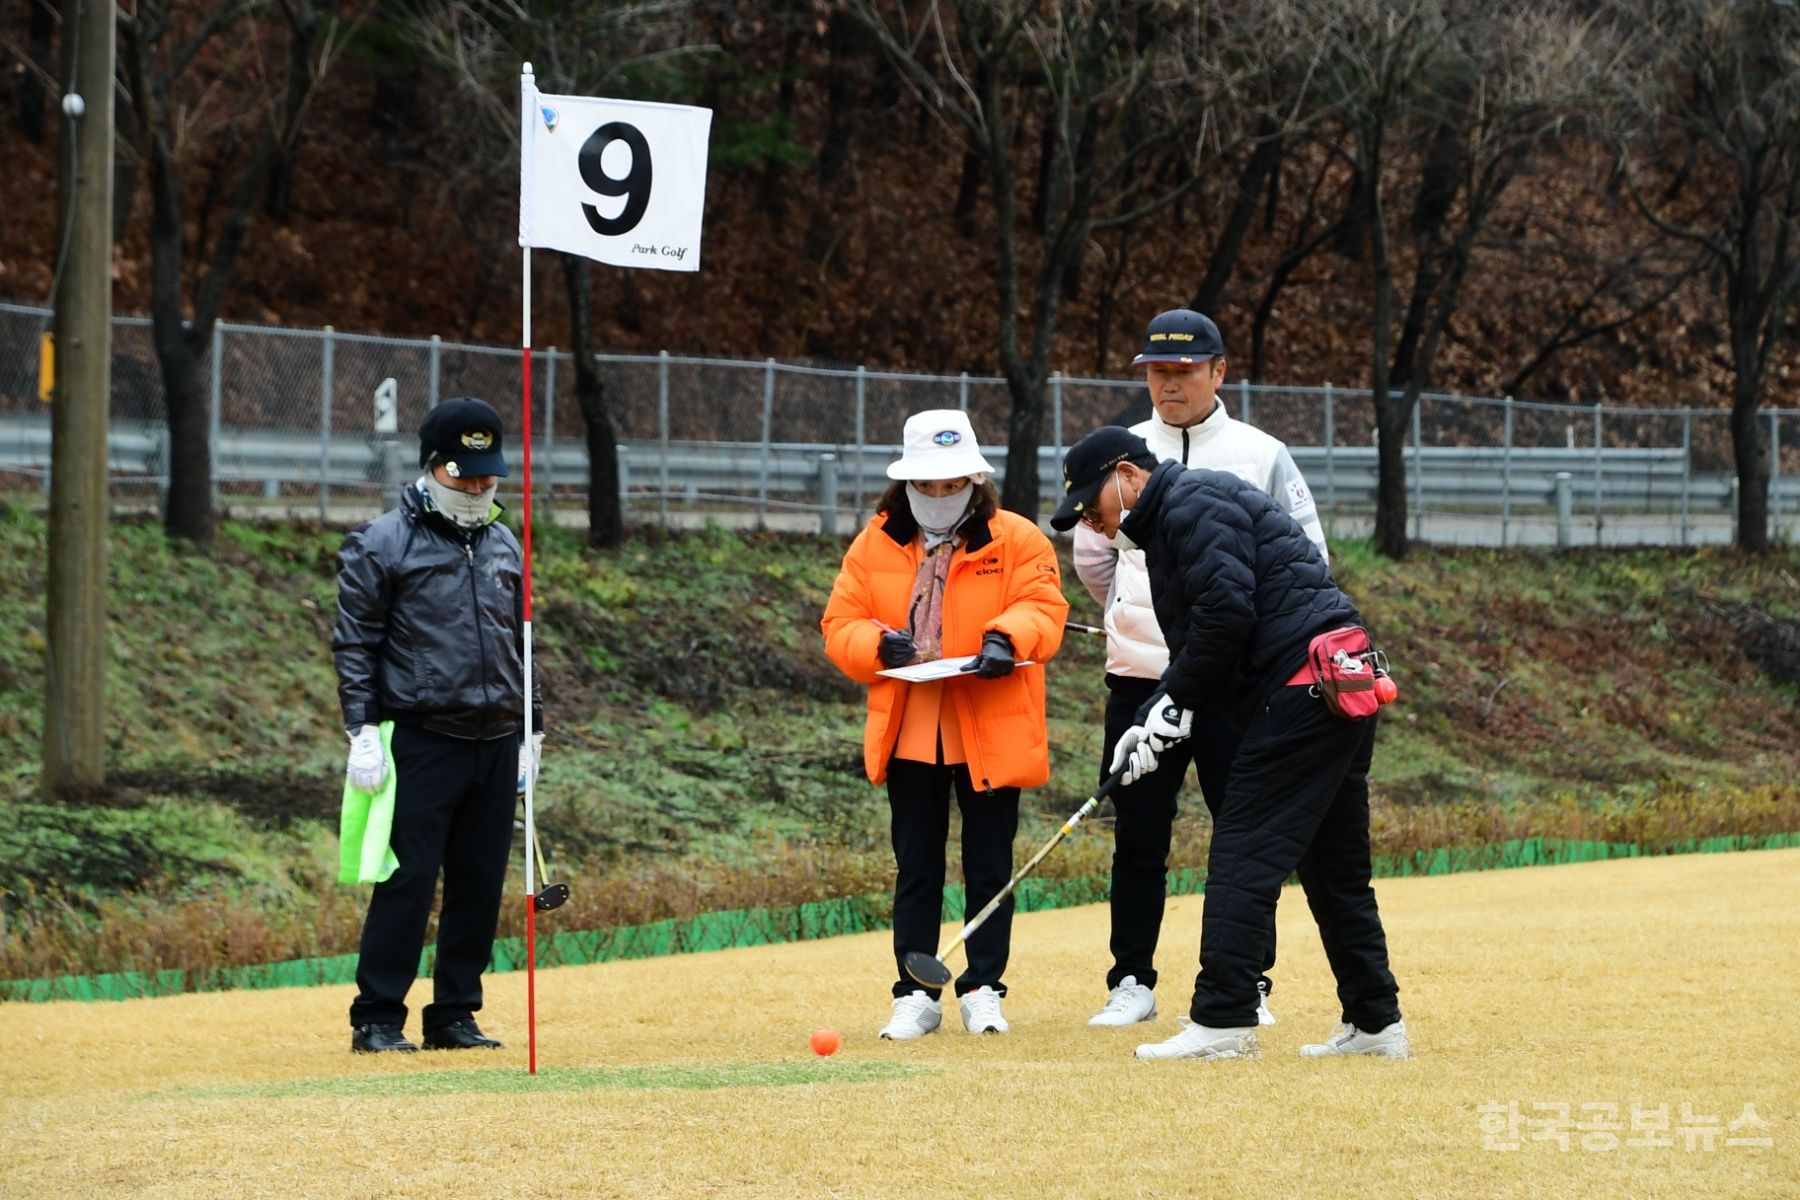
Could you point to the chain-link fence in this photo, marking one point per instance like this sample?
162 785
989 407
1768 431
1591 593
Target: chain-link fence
805 447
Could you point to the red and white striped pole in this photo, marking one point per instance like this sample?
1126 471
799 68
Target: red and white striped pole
528 91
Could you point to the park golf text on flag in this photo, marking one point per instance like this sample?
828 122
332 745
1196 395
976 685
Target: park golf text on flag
619 181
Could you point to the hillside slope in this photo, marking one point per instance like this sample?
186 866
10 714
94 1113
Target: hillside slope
703 753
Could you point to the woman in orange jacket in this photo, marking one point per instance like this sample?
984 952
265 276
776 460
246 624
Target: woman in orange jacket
941 571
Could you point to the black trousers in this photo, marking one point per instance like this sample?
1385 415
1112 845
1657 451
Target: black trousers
919 802
1298 801
1144 820
453 811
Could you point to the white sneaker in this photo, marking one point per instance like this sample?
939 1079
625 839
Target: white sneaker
1203 1041
915 1015
1384 1043
981 1011
1263 1015
1126 1004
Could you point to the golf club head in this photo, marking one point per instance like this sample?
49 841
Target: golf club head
927 970
552 895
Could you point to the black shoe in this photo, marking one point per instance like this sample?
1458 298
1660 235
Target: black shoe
460 1035
375 1039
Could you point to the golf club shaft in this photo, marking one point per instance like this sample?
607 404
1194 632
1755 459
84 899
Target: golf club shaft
1080 628
1068 827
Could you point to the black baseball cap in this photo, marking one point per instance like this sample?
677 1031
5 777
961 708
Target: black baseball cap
465 434
1180 335
1088 464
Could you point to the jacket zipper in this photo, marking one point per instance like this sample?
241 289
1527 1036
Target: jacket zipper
986 786
475 598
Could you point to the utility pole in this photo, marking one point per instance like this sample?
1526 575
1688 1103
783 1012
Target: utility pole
75 617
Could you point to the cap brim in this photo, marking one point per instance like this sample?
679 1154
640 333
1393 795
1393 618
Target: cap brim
1141 359
487 462
1074 504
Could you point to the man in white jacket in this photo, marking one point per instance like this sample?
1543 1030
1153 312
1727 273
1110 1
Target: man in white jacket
1184 363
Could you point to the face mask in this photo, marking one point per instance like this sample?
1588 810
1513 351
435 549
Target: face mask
464 510
1119 539
938 514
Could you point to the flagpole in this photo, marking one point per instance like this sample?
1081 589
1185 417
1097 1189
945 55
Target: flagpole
527 89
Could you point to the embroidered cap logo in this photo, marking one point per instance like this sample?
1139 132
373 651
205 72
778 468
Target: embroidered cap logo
946 437
478 439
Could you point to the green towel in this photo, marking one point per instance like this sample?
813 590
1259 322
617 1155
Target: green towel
364 855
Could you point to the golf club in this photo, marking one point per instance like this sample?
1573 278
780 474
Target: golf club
1078 627
934 972
549 895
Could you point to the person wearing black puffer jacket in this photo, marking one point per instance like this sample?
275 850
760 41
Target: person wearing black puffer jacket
1240 592
429 652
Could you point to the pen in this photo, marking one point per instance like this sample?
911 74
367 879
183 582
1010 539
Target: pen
883 625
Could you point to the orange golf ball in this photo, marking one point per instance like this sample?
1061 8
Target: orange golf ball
825 1041
1386 690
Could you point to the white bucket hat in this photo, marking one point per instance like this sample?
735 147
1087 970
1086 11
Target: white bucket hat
939 443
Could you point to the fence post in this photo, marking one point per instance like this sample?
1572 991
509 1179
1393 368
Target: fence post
1687 468
1599 513
962 391
1056 409
549 455
1565 509
213 418
1506 473
662 441
862 432
1330 466
768 416
1418 471
1735 514
828 494
328 356
1244 399
437 355
624 453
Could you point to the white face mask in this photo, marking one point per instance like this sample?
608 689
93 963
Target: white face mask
1120 539
938 514
464 510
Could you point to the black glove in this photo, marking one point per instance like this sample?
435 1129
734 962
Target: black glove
996 657
897 648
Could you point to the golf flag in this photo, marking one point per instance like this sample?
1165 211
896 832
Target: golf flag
619 181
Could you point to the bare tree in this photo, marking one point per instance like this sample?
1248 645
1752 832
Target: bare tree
1114 83
636 48
1723 79
222 87
1479 88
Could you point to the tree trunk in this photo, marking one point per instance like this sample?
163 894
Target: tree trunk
605 524
188 512
1257 168
1390 413
1752 461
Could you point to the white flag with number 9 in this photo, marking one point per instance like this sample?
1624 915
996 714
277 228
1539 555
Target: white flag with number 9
619 181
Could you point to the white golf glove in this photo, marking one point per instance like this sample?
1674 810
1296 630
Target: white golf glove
531 758
1141 746
1167 723
368 764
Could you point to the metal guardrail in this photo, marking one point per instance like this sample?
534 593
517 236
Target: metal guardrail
292 425
840 484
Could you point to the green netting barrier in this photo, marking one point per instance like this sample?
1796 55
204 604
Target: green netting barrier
736 928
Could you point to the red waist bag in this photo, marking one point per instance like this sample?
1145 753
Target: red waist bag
1344 667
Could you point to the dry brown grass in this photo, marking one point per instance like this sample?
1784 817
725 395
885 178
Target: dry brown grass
1647 982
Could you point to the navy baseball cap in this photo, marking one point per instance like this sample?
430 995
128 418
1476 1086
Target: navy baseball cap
1088 465
465 434
1180 335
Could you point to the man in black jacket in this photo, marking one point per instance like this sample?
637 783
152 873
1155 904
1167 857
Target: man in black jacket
1240 592
429 637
